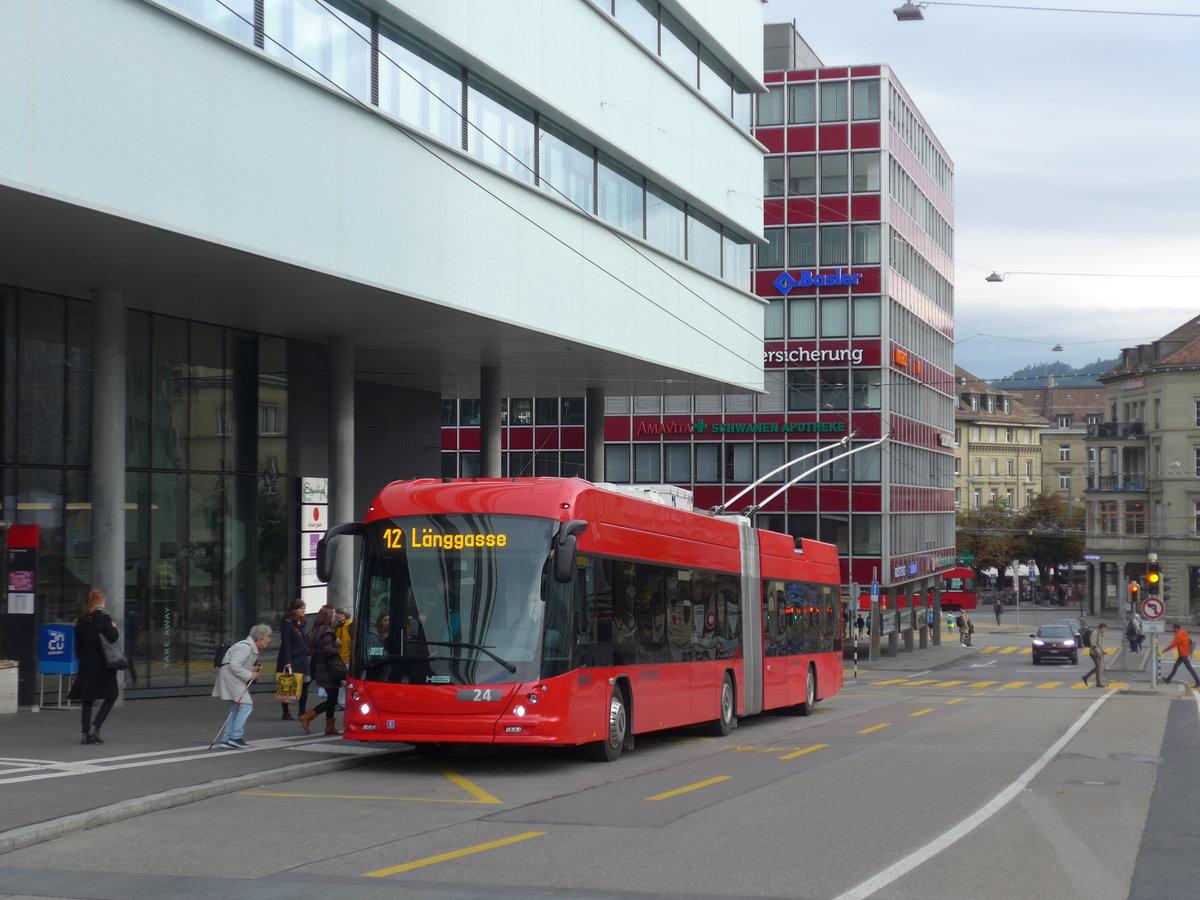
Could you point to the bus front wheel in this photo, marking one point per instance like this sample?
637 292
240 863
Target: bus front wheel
609 749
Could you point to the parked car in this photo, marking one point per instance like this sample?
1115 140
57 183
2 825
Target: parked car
1055 642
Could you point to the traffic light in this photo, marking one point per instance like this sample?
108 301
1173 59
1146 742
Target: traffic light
1133 591
1153 579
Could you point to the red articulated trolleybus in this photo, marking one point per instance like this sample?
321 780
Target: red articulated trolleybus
553 611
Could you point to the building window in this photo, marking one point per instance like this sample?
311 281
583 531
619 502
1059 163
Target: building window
1064 481
1093 418
975 402
773 327
802 317
994 467
957 495
269 421
1064 421
833 102
1008 499
802 247
802 176
978 466
1028 499
991 404
957 467
978 498
992 497
1196 517
1106 517
770 254
866 316
770 106
835 317
1135 516
835 245
866 388
865 249
865 175
773 176
835 173
1064 452
1197 452
1008 435
1007 402
616 463
1010 467
802 390
1029 468
865 99
802 104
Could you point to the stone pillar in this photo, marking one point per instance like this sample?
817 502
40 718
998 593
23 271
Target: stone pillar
341 467
108 453
489 423
594 435
937 616
894 637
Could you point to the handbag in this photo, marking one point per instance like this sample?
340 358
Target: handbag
288 686
114 658
337 668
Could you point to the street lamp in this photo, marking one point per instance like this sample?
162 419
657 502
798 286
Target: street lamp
909 12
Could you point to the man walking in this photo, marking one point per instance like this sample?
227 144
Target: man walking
1095 643
1183 649
999 610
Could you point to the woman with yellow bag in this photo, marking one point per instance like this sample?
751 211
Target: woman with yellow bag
293 659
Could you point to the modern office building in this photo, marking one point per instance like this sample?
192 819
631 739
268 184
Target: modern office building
858 282
998 452
249 242
1143 478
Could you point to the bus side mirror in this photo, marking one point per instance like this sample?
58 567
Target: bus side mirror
564 550
324 551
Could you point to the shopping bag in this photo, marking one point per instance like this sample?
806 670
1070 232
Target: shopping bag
288 686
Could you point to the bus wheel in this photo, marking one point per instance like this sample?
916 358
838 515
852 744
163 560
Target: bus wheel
609 750
810 695
728 717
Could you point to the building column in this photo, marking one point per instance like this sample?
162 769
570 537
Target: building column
489 423
341 466
108 451
594 435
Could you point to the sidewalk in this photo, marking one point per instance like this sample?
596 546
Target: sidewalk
155 756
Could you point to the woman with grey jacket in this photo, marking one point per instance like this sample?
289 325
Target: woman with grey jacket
238 671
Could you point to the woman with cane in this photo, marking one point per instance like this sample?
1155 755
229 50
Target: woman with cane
238 671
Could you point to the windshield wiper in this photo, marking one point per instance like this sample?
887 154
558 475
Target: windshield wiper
480 647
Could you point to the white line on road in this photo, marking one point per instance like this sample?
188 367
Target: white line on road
154 758
977 818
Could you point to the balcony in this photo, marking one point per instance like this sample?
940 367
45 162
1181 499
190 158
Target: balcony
1129 481
1123 431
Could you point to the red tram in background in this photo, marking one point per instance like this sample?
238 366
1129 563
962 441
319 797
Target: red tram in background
958 589
553 611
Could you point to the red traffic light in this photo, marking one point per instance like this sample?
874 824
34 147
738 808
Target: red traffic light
1133 589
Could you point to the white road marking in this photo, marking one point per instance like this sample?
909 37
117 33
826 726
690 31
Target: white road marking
970 823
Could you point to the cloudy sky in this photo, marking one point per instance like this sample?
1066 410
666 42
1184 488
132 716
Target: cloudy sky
1075 139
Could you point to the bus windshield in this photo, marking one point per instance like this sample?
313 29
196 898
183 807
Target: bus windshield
457 599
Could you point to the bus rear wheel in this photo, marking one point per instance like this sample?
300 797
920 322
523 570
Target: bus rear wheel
609 749
809 704
727 720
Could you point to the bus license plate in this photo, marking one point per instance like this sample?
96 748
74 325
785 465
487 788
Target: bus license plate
479 695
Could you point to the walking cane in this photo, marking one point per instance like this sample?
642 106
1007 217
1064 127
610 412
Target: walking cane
233 710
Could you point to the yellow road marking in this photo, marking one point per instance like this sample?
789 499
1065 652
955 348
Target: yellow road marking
1117 685
987 649
955 700
1013 684
984 683
919 712
926 681
805 750
875 728
691 787
1027 650
1081 686
949 683
1006 650
480 795
982 693
474 790
1048 685
456 854
891 681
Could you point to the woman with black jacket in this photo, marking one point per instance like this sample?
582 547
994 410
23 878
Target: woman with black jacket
323 645
95 681
293 651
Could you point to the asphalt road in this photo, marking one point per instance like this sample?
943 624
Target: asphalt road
990 777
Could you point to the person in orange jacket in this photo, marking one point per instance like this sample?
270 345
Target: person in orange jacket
1183 647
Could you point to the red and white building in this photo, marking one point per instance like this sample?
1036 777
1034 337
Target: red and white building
857 279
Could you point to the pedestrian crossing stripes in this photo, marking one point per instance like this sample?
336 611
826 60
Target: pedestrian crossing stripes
1074 685
1026 651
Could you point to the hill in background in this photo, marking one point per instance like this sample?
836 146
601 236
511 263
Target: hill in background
1034 375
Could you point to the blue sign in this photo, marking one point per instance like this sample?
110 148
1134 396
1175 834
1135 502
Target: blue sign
874 588
786 281
56 650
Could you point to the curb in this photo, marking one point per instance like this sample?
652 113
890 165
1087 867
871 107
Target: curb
28 835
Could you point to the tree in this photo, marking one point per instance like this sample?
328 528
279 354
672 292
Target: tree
987 532
1049 532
